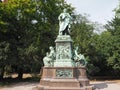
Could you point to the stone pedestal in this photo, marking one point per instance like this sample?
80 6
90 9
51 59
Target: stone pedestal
63 74
64 78
63 51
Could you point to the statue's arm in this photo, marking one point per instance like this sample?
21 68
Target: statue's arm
76 53
70 17
59 17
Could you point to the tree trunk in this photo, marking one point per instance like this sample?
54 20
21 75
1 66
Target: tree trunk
20 73
2 72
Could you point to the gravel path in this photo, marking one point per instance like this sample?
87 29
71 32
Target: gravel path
101 85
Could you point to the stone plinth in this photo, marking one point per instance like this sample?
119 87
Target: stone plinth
64 78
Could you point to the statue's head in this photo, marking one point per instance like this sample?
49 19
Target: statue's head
76 47
51 48
65 10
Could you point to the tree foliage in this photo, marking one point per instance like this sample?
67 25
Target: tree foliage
27 41
113 27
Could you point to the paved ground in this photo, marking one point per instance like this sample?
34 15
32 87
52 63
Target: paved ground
99 85
106 85
20 86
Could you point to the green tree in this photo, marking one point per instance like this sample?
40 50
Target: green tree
28 41
4 56
101 45
113 27
82 31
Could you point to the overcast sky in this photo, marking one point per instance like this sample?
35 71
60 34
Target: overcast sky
99 10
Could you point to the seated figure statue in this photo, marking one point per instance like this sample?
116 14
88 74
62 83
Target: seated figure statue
79 58
49 58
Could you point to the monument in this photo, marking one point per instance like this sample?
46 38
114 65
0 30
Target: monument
64 68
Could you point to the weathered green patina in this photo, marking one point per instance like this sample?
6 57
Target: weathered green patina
65 21
64 73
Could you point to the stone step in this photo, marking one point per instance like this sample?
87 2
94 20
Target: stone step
65 83
64 88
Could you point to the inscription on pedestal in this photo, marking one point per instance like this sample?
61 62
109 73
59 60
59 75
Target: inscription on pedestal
63 38
64 73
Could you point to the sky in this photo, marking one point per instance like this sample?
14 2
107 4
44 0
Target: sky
100 11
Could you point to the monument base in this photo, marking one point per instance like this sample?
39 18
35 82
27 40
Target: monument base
64 78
